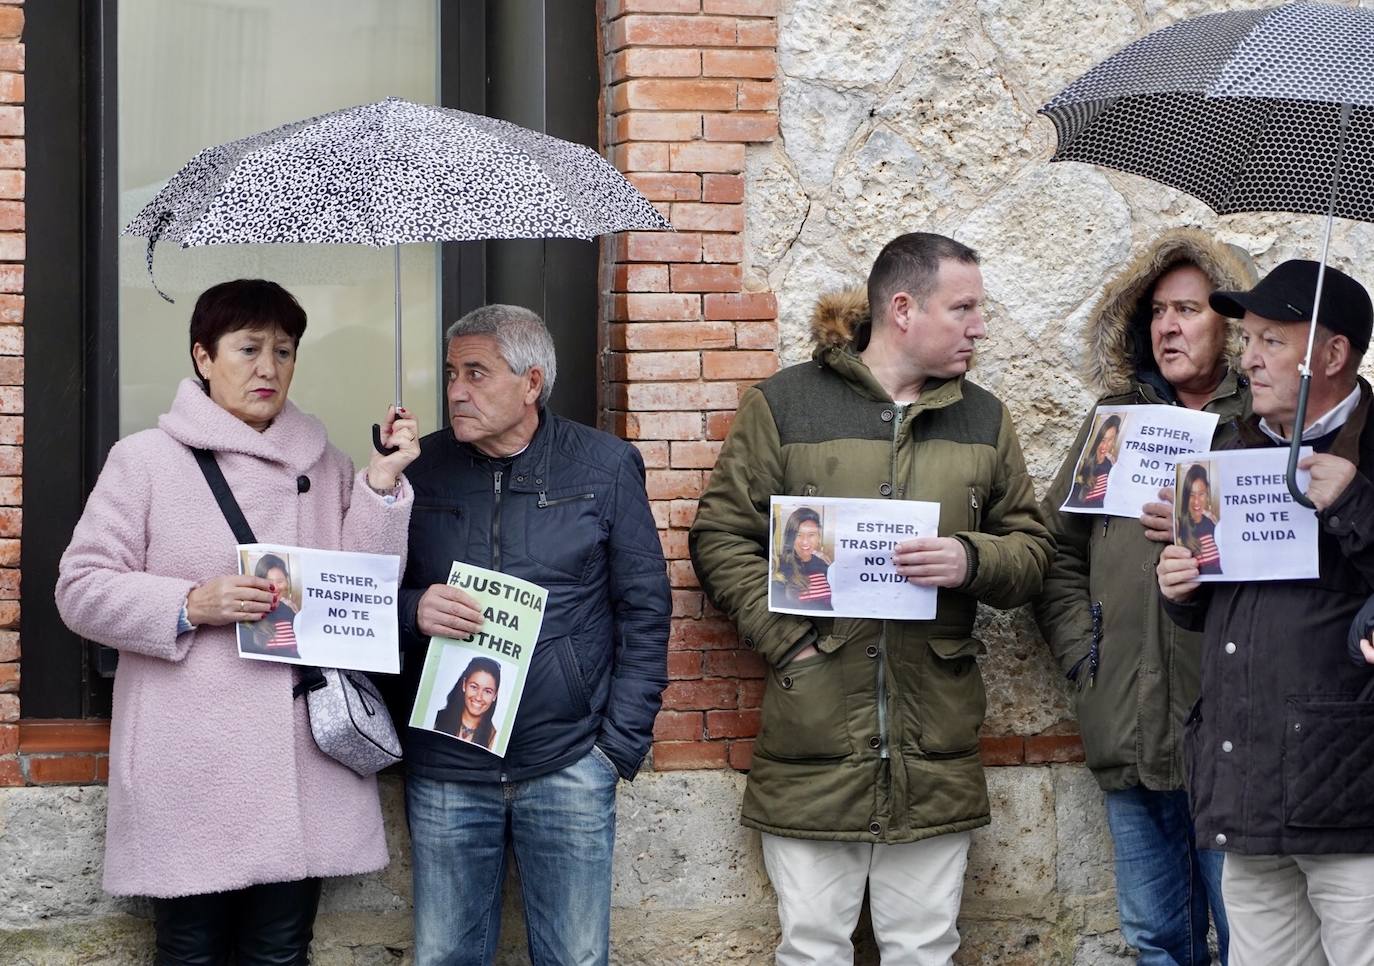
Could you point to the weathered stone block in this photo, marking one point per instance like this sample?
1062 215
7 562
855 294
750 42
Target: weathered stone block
1014 857
1084 863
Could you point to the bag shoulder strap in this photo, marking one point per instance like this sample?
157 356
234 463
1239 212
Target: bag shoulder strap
311 677
219 486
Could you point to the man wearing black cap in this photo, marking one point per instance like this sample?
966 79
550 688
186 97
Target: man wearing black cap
1280 746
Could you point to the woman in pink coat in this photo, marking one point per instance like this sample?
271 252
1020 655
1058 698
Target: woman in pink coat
221 807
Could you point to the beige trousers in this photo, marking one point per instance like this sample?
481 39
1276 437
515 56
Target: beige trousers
1300 910
913 897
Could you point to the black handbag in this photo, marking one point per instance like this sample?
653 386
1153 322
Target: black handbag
348 717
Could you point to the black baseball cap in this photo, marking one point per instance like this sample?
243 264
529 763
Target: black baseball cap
1287 294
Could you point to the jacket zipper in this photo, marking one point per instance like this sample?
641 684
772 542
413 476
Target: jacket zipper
883 751
496 523
544 501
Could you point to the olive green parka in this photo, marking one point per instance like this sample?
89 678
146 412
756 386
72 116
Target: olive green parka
875 738
1133 690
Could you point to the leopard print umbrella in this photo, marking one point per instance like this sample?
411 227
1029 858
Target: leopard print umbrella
390 173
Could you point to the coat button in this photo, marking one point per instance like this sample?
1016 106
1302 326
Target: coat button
1230 647
520 479
787 684
875 742
887 415
1227 746
749 643
874 827
1221 838
1335 521
885 489
871 650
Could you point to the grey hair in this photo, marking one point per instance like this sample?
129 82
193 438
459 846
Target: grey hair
521 337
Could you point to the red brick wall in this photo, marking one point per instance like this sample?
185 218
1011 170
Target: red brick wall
689 84
11 373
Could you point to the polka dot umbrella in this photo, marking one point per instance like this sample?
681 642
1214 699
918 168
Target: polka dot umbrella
390 173
1249 110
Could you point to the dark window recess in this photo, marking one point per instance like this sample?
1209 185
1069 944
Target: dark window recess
533 62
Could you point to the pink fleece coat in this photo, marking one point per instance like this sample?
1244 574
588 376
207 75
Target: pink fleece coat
215 781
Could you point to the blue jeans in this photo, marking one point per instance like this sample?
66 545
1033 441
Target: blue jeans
561 829
1164 883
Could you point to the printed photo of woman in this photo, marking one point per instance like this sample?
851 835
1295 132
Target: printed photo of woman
1090 480
471 704
1197 518
275 633
801 575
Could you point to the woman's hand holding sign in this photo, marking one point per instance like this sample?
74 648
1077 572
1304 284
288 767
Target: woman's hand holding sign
447 612
932 561
225 600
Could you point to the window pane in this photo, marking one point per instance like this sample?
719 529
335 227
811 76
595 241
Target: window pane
197 74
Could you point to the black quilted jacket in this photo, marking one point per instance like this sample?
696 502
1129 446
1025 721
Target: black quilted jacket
570 514
1280 747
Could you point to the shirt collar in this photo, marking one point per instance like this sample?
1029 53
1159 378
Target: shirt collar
1330 421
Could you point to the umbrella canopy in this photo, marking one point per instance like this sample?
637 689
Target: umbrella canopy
1241 109
1248 110
390 173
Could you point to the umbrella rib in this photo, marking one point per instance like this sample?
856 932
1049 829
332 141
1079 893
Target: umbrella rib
1248 154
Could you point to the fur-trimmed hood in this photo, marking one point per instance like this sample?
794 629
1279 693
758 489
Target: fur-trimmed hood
837 317
1117 330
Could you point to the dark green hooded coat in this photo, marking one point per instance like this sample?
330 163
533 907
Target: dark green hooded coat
876 738
1134 693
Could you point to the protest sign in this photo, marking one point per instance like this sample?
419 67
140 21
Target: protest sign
1233 512
833 556
1129 455
470 688
331 608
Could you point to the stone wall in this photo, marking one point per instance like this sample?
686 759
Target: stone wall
891 116
690 887
910 115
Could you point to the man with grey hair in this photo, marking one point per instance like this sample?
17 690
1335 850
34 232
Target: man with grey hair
512 487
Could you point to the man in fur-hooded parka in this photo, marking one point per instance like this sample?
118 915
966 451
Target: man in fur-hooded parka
1152 339
869 731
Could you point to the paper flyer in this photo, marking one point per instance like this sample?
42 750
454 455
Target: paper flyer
1129 455
332 608
1233 512
470 689
833 556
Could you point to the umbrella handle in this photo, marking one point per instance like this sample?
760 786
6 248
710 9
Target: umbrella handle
1303 389
377 441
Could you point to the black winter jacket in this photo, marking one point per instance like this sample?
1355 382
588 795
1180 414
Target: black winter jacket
570 514
1280 747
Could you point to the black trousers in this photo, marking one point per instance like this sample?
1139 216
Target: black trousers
262 925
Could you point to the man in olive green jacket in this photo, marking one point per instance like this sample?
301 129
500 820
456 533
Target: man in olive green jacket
1152 340
866 768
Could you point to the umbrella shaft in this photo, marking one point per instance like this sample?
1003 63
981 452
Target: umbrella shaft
396 249
1306 367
